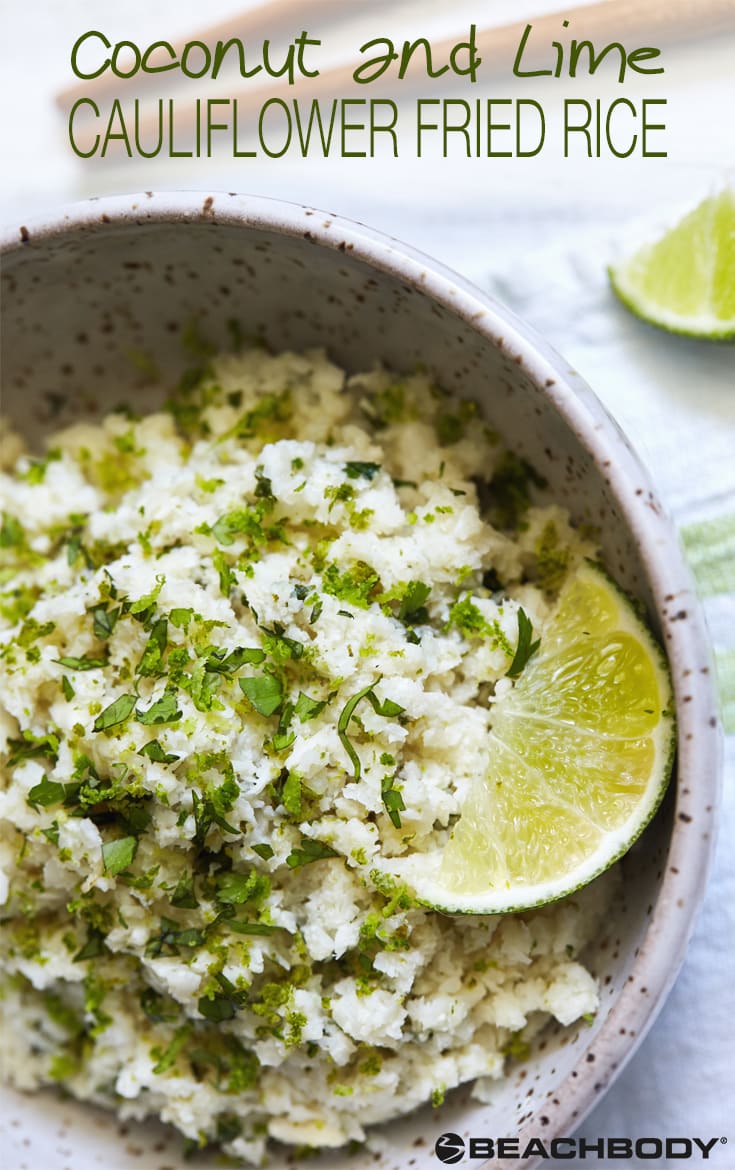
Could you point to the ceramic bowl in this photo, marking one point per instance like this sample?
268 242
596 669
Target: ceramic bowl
110 276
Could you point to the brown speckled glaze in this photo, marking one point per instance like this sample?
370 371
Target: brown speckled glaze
114 275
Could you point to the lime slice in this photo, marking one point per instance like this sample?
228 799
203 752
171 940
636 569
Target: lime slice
580 755
685 282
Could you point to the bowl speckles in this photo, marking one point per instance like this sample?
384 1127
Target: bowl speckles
116 275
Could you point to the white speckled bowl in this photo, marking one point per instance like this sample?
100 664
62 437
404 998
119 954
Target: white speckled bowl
108 276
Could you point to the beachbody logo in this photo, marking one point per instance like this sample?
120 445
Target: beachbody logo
451 1149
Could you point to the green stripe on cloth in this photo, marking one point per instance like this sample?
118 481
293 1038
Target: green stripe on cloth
710 548
725 663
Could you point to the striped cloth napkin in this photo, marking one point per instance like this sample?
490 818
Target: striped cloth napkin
675 399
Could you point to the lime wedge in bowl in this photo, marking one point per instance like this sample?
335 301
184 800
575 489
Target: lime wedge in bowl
581 753
685 281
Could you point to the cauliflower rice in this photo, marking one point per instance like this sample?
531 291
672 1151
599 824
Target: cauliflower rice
193 921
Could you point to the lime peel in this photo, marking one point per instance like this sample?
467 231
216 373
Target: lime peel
685 281
580 754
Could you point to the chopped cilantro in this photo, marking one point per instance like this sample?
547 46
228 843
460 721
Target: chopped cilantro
387 405
46 792
412 610
226 574
118 855
240 522
117 712
203 685
171 937
356 470
151 662
164 710
148 599
509 491
31 747
31 631
265 693
67 688
282 740
12 533
279 646
310 850
263 486
233 888
181 617
184 896
36 472
525 648
93 947
387 708
291 794
104 620
210 810
158 1008
223 1001
166 1058
221 662
392 800
217 1009
450 428
156 754
86 662
306 708
263 850
238 926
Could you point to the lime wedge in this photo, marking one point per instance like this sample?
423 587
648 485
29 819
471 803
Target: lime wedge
580 755
685 282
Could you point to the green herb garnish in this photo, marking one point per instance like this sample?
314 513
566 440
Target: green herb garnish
306 708
164 710
412 610
46 792
117 712
310 850
118 855
223 663
86 662
356 470
387 708
156 754
265 693
264 850
392 799
151 662
184 895
525 648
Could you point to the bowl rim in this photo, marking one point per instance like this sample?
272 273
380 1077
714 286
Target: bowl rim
668 577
